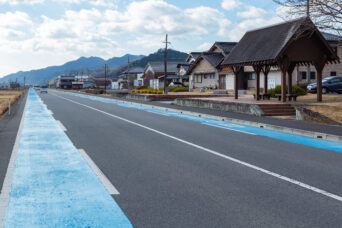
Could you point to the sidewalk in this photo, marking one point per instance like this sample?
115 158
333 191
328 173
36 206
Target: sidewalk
295 124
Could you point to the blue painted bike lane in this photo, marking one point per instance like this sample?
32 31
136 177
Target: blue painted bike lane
298 139
52 185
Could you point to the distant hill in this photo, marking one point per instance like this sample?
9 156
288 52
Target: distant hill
83 64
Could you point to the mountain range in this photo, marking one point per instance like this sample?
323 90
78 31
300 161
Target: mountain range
93 66
83 64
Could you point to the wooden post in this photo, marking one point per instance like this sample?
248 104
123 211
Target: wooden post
237 70
257 70
265 71
319 65
289 79
283 86
284 64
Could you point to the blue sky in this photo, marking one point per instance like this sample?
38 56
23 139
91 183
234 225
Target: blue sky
39 33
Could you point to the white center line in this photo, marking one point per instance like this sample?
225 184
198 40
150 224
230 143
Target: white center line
265 171
104 180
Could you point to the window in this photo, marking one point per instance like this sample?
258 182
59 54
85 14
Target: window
302 75
334 49
212 76
251 76
198 78
312 75
333 73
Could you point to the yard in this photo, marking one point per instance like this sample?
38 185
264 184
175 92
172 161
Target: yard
331 106
4 99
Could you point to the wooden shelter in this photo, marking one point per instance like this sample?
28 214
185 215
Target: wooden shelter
285 46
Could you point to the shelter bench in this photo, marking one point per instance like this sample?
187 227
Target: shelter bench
265 96
289 96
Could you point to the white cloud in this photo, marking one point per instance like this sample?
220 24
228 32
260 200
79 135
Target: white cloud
230 4
25 2
252 12
205 46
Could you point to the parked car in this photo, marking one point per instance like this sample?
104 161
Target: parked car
36 88
176 84
44 89
329 84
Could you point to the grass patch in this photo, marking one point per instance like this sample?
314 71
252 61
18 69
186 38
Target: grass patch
4 96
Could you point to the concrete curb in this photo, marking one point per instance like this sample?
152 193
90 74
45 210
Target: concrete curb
311 134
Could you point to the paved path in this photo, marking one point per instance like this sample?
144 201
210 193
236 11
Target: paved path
52 185
175 170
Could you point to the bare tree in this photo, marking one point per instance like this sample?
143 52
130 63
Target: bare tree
326 14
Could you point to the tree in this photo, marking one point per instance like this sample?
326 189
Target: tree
326 14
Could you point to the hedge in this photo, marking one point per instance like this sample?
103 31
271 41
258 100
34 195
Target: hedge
299 91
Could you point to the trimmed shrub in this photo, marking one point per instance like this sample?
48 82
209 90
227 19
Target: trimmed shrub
299 91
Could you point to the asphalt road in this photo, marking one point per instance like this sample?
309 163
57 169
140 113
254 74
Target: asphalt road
166 178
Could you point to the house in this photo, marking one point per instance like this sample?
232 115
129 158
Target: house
304 76
133 76
82 82
205 71
65 82
154 70
103 82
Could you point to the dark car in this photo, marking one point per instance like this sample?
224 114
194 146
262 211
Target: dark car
44 89
329 84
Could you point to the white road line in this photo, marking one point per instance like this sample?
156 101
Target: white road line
61 125
6 187
265 171
230 129
104 180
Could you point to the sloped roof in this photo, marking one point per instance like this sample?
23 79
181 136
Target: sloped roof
194 55
226 47
331 37
265 45
158 67
134 70
214 60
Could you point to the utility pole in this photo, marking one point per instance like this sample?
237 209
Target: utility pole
105 78
24 82
308 71
165 64
128 76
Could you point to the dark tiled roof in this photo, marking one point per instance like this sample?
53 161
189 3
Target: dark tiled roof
263 44
331 37
213 58
194 55
158 67
226 47
134 70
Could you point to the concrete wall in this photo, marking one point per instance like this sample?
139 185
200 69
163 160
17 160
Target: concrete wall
251 109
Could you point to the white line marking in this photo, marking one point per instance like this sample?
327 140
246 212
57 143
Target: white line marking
227 128
6 187
265 171
104 180
61 125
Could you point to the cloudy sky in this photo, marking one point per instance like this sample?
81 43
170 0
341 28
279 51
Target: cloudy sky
39 33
